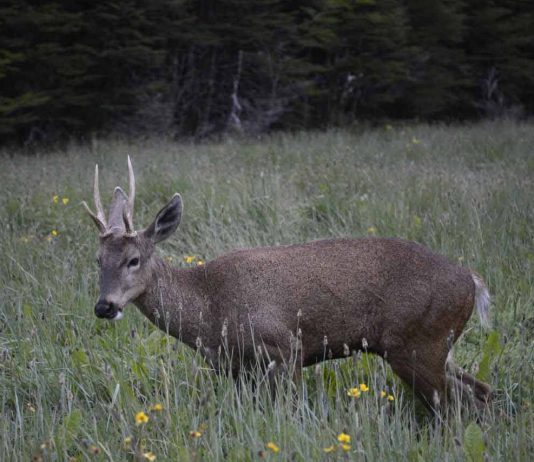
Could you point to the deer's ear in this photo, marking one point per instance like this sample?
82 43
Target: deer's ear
167 220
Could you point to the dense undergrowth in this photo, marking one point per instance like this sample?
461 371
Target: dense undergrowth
71 385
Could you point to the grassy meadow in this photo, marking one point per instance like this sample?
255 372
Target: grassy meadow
71 384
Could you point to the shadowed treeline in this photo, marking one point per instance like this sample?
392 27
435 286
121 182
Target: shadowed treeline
196 68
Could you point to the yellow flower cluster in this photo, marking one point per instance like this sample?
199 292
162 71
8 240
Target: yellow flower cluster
54 233
149 456
273 447
141 418
389 397
195 434
64 200
357 391
193 259
129 440
344 443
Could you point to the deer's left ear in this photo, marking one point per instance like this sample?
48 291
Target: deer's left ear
167 220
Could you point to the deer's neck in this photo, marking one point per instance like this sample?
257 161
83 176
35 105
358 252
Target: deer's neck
176 302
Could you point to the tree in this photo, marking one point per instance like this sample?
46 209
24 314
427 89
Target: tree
71 68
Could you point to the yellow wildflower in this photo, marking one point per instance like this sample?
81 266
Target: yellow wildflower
346 447
156 407
415 140
141 418
189 258
272 446
329 449
200 262
353 392
54 233
364 387
417 221
343 438
55 199
128 442
65 200
371 230
149 456
48 238
195 434
391 398
383 394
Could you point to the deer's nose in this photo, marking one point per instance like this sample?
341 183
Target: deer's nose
105 309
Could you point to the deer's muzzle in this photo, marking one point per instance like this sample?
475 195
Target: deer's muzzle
105 309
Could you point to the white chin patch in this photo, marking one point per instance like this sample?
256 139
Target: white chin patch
118 316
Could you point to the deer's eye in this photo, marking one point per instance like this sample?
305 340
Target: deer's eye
133 262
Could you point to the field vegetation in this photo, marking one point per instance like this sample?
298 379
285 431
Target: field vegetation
73 387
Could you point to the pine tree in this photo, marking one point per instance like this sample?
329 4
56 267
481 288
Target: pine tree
73 67
440 72
358 56
500 44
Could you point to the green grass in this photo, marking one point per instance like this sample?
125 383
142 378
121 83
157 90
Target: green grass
70 383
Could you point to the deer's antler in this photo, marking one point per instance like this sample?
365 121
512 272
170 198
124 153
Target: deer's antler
128 211
121 209
99 218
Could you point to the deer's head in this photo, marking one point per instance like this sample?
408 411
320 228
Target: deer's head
126 256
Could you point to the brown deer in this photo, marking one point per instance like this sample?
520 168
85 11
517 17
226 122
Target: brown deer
391 297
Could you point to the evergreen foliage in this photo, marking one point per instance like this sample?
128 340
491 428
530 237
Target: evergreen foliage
194 68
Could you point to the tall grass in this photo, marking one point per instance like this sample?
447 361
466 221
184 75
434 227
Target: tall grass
71 384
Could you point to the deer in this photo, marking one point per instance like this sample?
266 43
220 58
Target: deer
391 297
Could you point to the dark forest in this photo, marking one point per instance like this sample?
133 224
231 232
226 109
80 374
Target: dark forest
197 68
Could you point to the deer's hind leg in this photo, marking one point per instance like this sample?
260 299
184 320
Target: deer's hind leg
424 371
468 386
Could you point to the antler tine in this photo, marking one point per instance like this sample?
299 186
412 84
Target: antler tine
130 231
98 203
101 226
131 192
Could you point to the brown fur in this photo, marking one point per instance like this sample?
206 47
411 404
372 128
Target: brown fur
403 299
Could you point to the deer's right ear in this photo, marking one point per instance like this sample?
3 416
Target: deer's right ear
167 220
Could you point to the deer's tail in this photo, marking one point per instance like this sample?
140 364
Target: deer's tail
482 300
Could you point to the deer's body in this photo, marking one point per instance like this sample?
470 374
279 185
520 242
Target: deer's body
392 297
390 292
